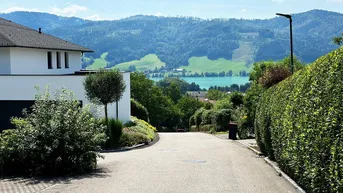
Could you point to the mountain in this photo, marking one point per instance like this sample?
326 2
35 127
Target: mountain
177 39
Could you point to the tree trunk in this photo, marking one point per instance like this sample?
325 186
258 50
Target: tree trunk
117 111
106 117
108 127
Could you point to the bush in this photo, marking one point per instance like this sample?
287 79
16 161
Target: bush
244 131
114 135
221 119
236 99
198 116
203 128
137 132
223 104
207 117
129 139
274 75
139 111
57 137
299 123
192 121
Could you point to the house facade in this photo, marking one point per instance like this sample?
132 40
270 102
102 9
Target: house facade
30 58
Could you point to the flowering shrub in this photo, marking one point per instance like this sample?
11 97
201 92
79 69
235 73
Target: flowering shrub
136 132
56 137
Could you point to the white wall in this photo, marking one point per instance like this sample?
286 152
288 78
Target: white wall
35 61
5 67
21 87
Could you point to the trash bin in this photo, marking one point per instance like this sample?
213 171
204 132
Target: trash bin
233 131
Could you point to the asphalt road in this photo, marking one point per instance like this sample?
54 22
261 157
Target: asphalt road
185 162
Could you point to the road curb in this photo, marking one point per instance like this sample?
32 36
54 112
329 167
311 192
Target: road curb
139 146
285 176
250 148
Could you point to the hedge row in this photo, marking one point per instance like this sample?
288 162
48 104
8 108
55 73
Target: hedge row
299 124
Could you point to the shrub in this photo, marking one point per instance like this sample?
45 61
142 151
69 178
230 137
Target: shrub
236 99
274 75
198 116
207 117
129 139
57 137
221 119
136 132
193 128
192 121
244 131
203 128
114 135
139 111
223 104
299 123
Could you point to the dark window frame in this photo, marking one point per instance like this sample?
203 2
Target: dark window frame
58 60
50 60
66 59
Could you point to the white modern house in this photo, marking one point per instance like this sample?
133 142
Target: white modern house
30 58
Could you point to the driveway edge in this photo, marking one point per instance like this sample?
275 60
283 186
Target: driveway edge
252 149
285 176
139 146
275 167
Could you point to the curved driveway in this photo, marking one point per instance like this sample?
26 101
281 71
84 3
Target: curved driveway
181 162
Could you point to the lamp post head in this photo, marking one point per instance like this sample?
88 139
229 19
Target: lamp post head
284 15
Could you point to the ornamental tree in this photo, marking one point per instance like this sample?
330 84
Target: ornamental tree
105 87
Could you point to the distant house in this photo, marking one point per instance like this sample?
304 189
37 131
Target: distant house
30 58
197 94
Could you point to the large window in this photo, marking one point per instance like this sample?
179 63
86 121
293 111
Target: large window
49 60
58 59
66 59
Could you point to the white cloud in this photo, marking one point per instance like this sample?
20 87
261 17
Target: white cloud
94 17
12 9
158 14
244 10
70 10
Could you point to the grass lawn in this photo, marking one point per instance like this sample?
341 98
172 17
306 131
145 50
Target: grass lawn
203 64
99 62
148 62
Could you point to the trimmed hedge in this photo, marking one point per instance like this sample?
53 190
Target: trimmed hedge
299 123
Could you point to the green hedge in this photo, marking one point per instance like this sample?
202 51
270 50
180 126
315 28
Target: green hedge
299 123
139 111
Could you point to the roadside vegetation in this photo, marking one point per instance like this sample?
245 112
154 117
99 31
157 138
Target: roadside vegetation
57 137
299 124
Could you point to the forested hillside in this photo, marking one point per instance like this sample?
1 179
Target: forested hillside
176 40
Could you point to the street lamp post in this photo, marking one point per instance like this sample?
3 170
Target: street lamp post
291 34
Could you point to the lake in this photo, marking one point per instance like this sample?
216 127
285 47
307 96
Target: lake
206 82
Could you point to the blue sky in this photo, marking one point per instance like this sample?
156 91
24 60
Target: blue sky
115 9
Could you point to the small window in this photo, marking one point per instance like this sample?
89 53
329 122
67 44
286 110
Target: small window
49 60
66 59
58 59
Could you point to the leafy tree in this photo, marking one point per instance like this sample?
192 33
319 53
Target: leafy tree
105 87
236 99
338 40
273 76
215 95
160 107
188 105
173 91
225 103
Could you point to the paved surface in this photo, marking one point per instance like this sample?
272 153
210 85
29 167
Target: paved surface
187 162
